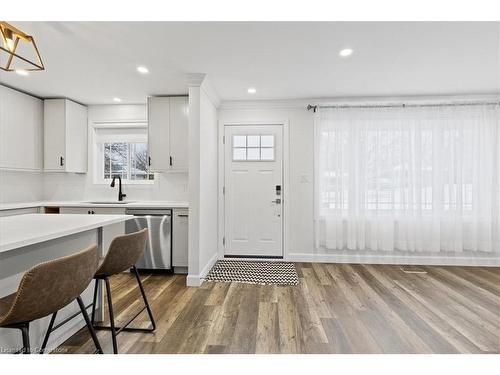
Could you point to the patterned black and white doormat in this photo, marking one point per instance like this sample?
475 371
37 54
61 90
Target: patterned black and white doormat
254 272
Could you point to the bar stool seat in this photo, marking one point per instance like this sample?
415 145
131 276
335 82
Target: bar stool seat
124 252
45 289
6 304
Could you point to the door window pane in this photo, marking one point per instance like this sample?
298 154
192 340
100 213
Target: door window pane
267 141
253 141
239 153
253 154
267 153
253 147
239 141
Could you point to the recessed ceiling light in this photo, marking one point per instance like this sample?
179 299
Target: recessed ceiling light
22 72
346 52
142 69
252 90
118 100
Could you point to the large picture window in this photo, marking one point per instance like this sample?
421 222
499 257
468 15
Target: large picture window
415 178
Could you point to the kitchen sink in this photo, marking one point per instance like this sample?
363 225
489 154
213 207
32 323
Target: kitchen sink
110 202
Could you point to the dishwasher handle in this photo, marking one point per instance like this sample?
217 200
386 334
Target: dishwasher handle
149 212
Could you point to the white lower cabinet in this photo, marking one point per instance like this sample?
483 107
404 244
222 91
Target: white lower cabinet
180 240
19 211
111 231
92 210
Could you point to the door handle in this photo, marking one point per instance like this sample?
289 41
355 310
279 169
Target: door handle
277 201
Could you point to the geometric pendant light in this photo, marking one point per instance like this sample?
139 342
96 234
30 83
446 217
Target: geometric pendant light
13 45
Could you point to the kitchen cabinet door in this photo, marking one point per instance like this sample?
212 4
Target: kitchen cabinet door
93 210
159 133
179 123
21 130
180 238
19 211
65 136
76 137
54 120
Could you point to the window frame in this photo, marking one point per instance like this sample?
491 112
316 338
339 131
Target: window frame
98 153
247 147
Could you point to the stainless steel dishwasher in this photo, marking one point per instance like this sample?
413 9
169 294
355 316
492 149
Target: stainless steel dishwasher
158 252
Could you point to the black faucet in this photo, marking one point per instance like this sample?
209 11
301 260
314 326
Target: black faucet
120 194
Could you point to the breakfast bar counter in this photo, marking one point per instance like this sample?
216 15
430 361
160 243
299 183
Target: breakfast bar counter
26 240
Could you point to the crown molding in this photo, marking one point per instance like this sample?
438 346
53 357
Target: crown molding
302 103
209 90
195 79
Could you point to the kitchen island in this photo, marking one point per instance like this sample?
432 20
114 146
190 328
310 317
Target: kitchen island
26 240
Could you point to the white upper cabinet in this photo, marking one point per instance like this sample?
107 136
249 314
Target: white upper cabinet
159 133
65 136
179 123
168 133
21 130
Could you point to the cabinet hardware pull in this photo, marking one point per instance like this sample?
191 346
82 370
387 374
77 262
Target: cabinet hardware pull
149 161
171 161
182 215
61 161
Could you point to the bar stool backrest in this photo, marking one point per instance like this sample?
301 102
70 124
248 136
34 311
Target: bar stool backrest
124 252
49 286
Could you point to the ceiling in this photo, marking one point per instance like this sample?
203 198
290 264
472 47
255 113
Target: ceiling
93 62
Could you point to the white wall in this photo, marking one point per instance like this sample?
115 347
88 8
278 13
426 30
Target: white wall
20 186
203 182
68 186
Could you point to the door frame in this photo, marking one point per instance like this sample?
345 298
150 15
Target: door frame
286 179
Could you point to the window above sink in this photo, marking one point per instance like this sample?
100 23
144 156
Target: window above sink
121 149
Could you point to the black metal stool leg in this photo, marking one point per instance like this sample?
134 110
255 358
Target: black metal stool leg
111 316
49 330
25 330
89 325
94 301
150 313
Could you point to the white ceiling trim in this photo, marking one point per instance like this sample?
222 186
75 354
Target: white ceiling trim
302 103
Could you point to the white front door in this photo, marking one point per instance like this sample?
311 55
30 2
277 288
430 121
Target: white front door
253 191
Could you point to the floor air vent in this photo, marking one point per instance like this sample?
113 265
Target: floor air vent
413 269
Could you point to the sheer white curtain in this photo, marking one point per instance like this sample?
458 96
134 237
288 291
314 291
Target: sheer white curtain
411 179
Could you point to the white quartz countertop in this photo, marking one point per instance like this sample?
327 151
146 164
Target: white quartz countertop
24 230
131 204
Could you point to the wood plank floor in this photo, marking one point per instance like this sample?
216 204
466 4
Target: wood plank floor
336 308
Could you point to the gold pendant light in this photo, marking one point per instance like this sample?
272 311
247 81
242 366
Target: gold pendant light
11 39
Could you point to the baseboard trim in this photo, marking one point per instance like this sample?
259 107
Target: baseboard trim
197 280
413 259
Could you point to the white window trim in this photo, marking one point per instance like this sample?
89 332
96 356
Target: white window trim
98 155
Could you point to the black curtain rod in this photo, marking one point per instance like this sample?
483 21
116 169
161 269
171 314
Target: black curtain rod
402 105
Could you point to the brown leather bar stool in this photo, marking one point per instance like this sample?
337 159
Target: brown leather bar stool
47 288
123 254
